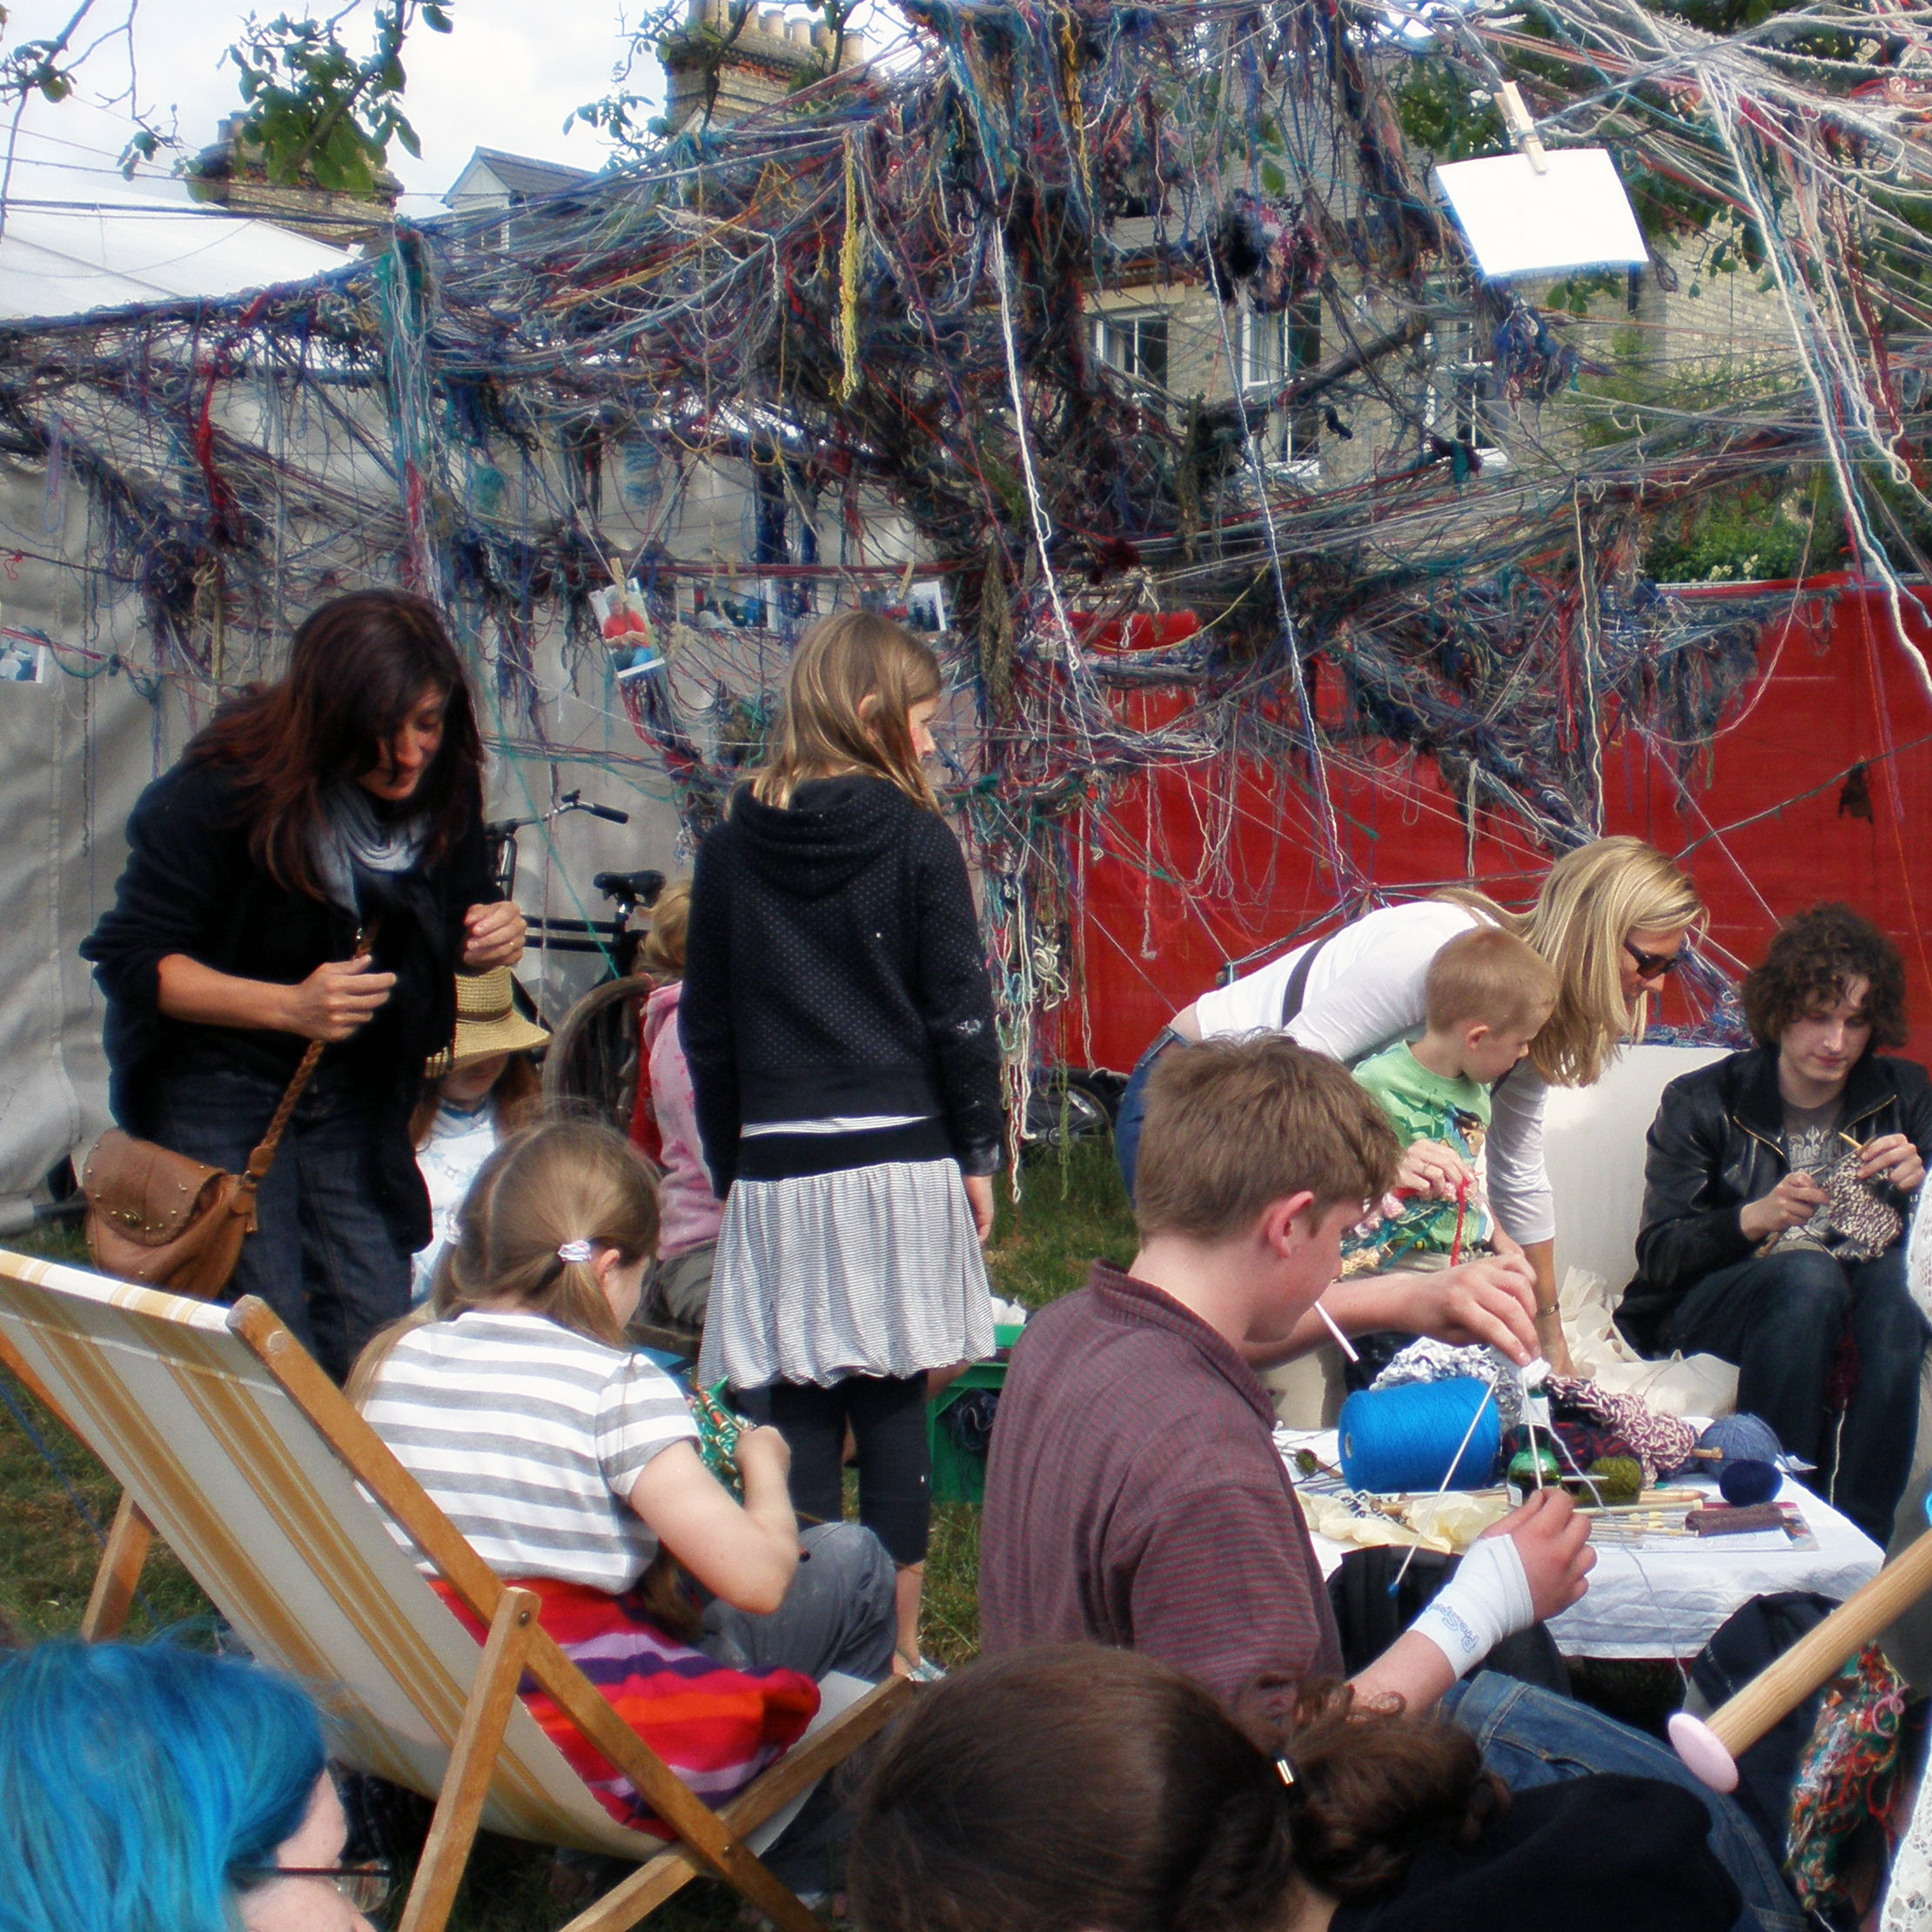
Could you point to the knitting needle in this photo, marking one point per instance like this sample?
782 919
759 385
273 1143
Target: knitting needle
1334 1329
1442 1488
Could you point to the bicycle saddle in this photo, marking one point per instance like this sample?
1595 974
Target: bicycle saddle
640 887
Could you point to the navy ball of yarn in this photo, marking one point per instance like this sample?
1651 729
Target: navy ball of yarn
1745 1482
1741 1439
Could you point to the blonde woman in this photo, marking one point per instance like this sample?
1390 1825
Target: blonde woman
1611 917
838 1021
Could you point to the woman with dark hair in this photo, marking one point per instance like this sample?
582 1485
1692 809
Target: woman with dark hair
1079 1789
1776 1193
313 869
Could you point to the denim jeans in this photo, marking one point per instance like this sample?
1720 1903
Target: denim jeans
325 1256
1780 1317
1133 1106
838 1614
1531 1737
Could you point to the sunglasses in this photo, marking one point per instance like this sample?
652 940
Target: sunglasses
1652 965
366 1887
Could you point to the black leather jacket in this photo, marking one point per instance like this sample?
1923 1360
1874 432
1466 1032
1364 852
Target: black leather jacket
1717 1144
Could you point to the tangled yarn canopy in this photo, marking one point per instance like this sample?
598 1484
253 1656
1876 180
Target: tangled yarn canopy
877 301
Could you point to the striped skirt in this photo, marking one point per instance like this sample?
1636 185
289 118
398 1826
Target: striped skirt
716 1726
863 1271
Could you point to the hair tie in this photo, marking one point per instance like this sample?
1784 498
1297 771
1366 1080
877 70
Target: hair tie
574 1251
1285 1770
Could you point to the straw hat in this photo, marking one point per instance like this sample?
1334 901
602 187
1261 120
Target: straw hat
488 1023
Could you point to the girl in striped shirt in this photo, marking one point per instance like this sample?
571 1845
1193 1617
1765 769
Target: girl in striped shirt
572 1466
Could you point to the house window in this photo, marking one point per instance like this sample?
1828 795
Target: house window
1463 402
1274 350
1133 341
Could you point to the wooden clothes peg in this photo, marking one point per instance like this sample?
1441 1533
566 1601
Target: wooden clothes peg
1522 129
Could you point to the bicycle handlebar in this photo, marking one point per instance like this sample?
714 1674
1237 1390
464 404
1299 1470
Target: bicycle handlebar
570 801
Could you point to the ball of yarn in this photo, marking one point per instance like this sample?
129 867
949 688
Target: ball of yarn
1406 1438
1527 1466
1741 1439
1616 1479
1745 1482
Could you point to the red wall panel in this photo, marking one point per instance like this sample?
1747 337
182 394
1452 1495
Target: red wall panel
1189 868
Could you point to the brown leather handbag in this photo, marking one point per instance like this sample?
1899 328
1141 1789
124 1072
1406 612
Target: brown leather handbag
164 1221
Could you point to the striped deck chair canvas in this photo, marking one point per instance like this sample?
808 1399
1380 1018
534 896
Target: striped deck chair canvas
247 1459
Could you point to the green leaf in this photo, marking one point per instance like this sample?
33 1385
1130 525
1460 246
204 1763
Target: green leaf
406 136
1273 179
436 20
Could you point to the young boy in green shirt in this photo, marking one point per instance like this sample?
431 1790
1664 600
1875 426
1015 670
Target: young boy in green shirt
1487 996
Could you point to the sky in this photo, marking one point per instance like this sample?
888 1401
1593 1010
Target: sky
508 78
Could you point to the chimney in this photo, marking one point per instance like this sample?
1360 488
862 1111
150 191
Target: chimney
232 175
767 58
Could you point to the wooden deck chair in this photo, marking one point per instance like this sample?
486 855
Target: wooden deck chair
234 1445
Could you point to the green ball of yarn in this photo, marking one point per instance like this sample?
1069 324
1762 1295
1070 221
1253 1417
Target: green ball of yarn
1618 1478
1528 1467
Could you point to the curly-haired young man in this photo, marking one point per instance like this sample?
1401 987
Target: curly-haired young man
1776 1191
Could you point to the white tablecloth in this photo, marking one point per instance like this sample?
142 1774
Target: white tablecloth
1666 1597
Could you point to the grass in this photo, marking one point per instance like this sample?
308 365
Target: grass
55 1498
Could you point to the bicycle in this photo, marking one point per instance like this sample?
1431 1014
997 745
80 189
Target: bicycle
592 1061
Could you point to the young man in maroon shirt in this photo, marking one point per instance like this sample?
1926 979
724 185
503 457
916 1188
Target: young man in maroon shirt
1134 1494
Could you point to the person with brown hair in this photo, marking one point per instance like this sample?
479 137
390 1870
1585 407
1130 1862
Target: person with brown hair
314 868
1135 1499
678 1287
838 1019
1776 1189
1075 1790
1133 1494
1611 918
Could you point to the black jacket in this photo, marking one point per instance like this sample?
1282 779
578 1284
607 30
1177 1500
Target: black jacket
1716 1145
191 887
834 966
1606 1853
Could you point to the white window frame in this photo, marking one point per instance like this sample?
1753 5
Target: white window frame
1469 420
1116 340
1262 346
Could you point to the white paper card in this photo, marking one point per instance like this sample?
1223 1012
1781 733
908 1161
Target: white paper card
1518 222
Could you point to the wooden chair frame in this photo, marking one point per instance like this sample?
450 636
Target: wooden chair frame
708 1842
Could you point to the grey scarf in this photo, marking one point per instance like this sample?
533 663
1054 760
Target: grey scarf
353 837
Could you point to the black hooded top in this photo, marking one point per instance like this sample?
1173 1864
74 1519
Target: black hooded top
834 966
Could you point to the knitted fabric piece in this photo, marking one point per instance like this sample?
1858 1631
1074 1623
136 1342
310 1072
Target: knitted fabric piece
1849 1773
1660 1443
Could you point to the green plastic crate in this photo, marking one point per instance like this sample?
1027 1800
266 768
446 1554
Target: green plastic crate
958 1476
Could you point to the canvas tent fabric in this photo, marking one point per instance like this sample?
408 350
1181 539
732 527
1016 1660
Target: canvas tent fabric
56 261
81 731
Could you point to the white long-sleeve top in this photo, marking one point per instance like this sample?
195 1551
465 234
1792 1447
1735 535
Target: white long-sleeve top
1364 993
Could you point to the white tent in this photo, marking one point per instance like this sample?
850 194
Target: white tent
80 733
59 261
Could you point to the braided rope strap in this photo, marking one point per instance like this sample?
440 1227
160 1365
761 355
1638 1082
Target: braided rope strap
263 1159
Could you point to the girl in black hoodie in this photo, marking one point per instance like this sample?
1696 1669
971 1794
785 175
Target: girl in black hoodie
838 1025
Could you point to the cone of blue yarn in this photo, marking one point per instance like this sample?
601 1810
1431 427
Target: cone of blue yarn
1406 1438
